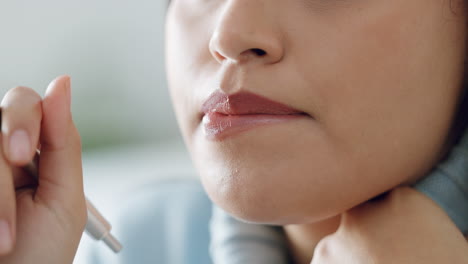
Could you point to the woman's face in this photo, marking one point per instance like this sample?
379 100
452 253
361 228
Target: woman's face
366 91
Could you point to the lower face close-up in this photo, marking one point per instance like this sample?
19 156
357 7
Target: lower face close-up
296 111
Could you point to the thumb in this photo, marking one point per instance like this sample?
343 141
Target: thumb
60 169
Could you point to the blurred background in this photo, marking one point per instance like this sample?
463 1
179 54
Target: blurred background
113 50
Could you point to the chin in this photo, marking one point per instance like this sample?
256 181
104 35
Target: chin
291 181
257 196
295 174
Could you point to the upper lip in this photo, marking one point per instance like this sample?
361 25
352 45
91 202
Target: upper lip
245 103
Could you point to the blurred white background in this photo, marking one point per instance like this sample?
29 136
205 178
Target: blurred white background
113 50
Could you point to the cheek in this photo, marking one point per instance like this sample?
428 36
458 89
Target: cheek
387 95
382 120
396 95
188 61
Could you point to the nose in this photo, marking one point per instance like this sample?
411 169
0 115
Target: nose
245 32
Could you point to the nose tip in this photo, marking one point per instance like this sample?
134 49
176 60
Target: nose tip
244 46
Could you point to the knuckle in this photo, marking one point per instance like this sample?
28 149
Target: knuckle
323 250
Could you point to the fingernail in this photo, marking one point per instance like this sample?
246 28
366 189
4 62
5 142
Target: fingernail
19 146
6 241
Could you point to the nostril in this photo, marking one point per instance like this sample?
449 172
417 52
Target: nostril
259 52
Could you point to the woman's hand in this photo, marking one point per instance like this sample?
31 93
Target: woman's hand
40 221
402 227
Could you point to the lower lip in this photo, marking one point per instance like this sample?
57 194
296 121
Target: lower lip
219 126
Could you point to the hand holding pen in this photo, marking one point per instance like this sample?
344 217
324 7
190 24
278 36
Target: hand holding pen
41 220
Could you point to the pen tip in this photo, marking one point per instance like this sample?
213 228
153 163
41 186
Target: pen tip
113 243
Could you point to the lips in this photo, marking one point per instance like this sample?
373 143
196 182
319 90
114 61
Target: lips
226 115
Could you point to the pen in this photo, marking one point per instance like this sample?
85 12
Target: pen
96 226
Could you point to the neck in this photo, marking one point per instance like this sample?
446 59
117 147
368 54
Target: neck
303 238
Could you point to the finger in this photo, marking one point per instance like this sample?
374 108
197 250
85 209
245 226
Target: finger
21 121
22 179
7 207
60 172
409 224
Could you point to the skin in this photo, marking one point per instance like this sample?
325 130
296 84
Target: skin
381 80
372 74
51 213
404 227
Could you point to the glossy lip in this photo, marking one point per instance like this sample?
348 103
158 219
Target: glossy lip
226 115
